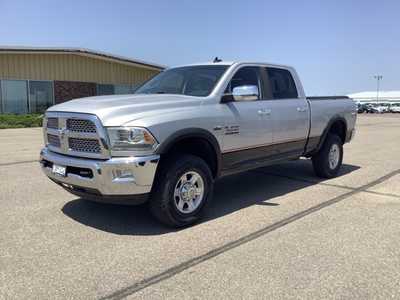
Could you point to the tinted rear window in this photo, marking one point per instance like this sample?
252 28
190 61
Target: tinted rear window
281 83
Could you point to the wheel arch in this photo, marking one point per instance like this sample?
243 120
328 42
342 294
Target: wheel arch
196 141
336 125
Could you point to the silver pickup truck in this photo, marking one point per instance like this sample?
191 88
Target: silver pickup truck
186 127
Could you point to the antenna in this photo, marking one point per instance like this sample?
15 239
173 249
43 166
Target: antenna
216 59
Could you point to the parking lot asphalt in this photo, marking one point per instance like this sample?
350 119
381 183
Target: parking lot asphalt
275 232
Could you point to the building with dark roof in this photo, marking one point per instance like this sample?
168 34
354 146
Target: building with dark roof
32 78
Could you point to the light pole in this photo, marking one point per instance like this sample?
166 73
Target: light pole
378 79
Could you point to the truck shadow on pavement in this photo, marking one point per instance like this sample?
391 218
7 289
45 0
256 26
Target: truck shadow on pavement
258 187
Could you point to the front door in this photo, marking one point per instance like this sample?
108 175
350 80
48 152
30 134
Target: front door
248 132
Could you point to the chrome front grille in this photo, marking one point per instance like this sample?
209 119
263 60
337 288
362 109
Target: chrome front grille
53 140
84 145
78 125
76 134
52 123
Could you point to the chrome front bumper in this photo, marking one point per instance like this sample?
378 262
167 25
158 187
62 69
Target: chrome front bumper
119 176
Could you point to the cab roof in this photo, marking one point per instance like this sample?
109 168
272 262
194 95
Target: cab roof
230 63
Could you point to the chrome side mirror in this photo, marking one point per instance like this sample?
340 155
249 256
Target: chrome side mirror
245 93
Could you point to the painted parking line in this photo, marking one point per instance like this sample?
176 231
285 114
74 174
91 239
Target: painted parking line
136 287
18 163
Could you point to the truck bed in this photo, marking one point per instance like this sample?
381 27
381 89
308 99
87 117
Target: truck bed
326 98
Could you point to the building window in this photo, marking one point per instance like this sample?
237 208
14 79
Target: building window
122 89
14 96
41 96
105 89
115 89
134 87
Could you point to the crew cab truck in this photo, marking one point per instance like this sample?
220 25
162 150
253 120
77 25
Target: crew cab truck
185 128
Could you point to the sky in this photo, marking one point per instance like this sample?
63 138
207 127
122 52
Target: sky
336 46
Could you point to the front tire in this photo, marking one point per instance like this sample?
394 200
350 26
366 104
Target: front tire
328 160
183 187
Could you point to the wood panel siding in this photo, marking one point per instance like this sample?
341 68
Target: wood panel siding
70 67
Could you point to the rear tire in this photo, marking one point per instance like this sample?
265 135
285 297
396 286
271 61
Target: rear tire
183 187
328 160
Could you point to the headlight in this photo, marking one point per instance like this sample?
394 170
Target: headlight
131 139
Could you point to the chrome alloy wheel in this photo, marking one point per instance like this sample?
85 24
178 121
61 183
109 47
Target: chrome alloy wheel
189 192
334 156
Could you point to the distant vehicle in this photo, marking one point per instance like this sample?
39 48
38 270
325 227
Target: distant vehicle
362 107
385 106
378 108
395 107
370 108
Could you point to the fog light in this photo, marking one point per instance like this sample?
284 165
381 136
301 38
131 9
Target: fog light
122 174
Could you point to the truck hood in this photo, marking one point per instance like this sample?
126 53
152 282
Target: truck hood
118 110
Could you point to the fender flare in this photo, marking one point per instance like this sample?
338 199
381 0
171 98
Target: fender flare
182 134
328 127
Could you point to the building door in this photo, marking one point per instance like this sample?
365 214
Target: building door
41 96
14 96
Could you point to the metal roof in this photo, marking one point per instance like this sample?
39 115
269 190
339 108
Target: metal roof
371 95
83 52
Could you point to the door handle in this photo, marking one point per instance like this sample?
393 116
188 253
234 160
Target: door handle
263 112
301 109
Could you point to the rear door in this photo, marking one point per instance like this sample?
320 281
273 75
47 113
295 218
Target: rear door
290 114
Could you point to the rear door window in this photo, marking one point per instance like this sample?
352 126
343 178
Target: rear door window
281 83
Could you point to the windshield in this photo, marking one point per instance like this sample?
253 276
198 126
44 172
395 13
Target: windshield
192 81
